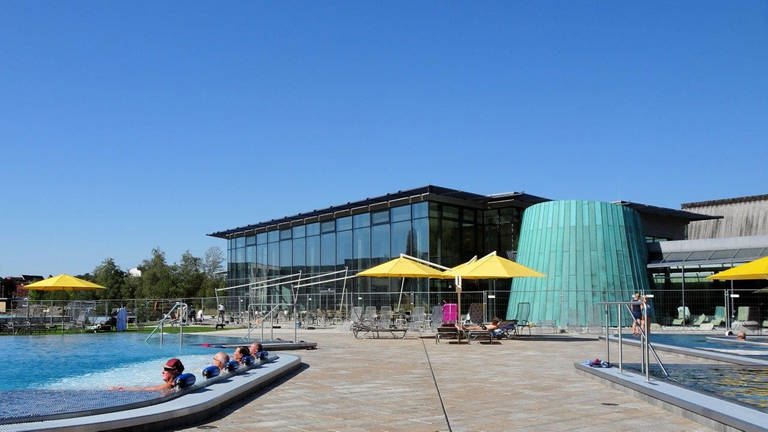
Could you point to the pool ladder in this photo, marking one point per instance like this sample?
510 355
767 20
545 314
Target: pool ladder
181 307
645 343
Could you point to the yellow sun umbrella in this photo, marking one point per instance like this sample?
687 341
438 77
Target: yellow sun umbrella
63 282
492 266
757 269
402 267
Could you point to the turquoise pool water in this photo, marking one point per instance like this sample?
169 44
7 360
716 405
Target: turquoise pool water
756 347
48 375
95 361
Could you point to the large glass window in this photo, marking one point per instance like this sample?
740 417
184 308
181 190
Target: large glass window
344 248
343 224
273 236
313 253
379 244
328 250
450 212
250 240
362 248
250 254
380 217
261 238
286 255
262 259
421 238
400 238
326 227
240 242
451 243
285 234
420 210
299 231
361 220
299 253
399 214
273 259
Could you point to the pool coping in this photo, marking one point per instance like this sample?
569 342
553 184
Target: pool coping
180 411
707 410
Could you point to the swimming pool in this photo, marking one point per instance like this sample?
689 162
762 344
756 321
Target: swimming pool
756 347
50 375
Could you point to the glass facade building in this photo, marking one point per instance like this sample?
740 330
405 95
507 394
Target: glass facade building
436 224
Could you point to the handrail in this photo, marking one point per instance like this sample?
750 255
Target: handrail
178 305
269 315
645 345
648 345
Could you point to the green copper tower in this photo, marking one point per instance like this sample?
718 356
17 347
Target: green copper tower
590 251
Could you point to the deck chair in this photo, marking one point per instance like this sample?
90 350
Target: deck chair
701 319
357 314
437 317
476 313
683 316
523 313
385 316
718 319
744 318
417 318
506 330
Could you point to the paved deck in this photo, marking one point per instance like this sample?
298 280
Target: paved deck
416 385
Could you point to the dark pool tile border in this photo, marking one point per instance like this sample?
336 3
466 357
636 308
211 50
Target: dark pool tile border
181 411
707 410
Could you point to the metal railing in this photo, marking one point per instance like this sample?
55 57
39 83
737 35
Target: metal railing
646 346
181 309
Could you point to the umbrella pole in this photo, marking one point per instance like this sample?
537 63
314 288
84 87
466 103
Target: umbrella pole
400 299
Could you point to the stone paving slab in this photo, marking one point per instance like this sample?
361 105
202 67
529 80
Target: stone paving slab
416 385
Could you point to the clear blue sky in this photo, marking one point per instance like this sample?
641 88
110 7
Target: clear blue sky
126 126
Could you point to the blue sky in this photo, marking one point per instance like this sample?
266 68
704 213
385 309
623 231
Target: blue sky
128 126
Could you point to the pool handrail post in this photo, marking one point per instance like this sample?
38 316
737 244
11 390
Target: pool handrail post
607 335
621 348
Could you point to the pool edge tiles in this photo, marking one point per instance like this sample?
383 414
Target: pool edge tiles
181 411
707 410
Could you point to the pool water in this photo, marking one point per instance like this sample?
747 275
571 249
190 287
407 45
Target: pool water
58 374
747 385
97 361
755 348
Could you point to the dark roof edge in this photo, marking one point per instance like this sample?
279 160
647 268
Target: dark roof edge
735 200
411 195
649 209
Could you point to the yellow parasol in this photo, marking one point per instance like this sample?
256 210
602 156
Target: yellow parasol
757 269
63 282
403 266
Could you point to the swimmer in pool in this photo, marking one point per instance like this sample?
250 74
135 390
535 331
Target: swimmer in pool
220 360
171 370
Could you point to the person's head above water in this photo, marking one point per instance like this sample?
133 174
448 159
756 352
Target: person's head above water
173 367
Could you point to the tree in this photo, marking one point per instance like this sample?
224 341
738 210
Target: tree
213 262
110 276
156 277
190 275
